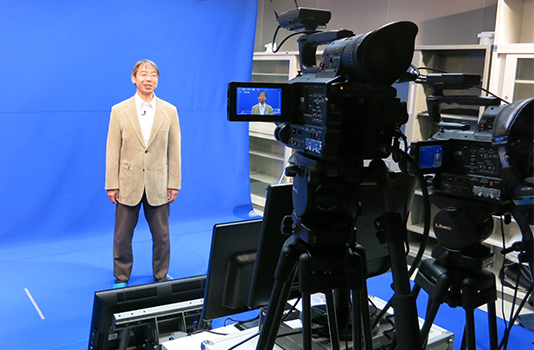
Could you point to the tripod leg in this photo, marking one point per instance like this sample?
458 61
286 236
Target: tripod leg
332 321
285 271
408 336
436 297
356 320
366 320
470 329
464 339
492 320
361 322
306 321
274 315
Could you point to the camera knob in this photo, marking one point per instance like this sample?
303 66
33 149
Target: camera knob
294 170
282 133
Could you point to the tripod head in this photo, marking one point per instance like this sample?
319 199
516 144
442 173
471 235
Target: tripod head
325 199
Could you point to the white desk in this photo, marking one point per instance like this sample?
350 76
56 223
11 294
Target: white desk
216 342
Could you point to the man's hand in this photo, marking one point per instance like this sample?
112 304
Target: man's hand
113 196
172 194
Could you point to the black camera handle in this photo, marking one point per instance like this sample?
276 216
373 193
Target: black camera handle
435 101
308 47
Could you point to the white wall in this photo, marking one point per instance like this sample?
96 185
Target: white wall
440 22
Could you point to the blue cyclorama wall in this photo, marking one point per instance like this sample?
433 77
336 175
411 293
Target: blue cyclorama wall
65 63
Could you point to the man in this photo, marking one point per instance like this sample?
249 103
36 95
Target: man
262 107
143 167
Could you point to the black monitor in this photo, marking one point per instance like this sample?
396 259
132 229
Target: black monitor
244 96
109 302
231 262
278 204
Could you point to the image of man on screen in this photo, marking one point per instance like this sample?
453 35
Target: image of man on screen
262 107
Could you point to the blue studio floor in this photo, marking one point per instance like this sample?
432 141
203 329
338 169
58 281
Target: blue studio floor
61 278
47 290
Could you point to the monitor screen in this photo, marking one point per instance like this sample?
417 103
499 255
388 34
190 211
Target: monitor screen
430 156
231 261
267 102
248 100
109 302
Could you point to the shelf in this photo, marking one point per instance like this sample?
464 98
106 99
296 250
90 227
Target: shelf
266 179
266 155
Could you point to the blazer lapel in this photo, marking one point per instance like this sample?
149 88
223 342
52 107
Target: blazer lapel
131 112
159 116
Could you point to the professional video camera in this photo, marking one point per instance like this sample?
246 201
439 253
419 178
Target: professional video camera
345 108
336 115
486 171
475 174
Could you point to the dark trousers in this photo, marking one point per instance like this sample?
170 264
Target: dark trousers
126 218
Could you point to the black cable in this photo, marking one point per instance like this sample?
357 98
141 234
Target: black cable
492 94
259 332
245 340
278 47
292 308
274 10
501 272
512 321
432 69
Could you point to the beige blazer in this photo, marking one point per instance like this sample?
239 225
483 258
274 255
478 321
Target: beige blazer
256 109
133 167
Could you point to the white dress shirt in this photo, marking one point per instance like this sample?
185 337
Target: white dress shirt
146 112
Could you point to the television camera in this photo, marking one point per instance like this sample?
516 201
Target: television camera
336 115
482 172
474 174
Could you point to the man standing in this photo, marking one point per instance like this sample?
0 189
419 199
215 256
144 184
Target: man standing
143 166
262 107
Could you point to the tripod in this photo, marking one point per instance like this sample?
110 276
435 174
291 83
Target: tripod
322 246
459 279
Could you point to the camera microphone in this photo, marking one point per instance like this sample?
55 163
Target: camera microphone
144 112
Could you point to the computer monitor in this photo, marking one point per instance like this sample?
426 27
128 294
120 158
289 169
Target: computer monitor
231 262
278 204
109 302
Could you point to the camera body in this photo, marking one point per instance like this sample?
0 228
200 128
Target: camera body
492 165
466 163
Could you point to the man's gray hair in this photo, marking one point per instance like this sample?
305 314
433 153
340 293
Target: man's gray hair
143 62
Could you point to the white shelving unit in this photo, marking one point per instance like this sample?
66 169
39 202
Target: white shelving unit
268 157
512 73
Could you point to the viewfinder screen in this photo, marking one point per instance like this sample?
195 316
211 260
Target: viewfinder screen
430 156
258 101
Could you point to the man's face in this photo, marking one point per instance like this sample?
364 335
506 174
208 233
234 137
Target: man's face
262 98
146 80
